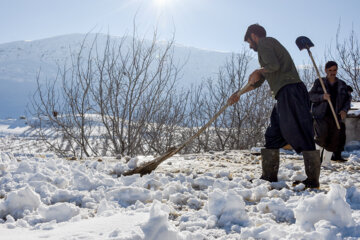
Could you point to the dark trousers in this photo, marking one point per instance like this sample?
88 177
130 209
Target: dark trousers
291 121
328 136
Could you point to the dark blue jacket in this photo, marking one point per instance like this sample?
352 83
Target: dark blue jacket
319 105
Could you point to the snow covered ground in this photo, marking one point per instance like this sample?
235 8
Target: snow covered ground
212 195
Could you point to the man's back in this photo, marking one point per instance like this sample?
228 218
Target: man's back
280 68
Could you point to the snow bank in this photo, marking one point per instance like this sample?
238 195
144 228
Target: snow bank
277 207
229 208
353 197
129 195
83 181
17 202
59 212
158 227
331 207
53 197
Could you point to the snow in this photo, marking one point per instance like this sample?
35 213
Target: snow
355 109
17 203
196 196
228 207
158 226
331 207
60 212
21 61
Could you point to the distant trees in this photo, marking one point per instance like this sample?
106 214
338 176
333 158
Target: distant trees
108 97
120 97
243 124
308 75
347 55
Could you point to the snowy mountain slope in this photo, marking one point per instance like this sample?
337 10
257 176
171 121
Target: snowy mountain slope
21 61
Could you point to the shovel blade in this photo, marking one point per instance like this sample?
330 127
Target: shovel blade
304 43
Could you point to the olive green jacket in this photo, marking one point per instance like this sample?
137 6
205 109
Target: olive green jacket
279 66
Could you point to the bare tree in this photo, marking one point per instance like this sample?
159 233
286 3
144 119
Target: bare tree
242 124
120 97
164 130
124 84
136 84
64 105
347 55
195 118
308 74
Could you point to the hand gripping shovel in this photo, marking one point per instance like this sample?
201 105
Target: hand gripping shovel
148 167
305 43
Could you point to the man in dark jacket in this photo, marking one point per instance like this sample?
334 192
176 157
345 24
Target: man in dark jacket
291 121
326 133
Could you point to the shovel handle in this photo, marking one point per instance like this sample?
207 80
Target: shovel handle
239 93
324 89
152 165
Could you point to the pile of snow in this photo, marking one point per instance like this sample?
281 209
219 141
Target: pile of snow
158 227
228 208
60 212
19 202
200 196
331 207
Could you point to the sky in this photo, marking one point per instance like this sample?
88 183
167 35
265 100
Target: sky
208 24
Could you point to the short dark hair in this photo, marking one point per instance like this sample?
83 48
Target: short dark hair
329 64
256 29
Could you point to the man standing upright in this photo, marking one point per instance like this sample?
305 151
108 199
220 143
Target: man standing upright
291 121
327 135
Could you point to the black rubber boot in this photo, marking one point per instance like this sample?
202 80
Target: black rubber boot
270 164
337 157
312 169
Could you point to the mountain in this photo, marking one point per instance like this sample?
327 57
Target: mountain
21 61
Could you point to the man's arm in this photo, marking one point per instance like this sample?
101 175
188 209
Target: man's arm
255 79
235 97
347 106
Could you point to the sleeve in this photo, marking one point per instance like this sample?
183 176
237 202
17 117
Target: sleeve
260 82
316 92
347 104
268 56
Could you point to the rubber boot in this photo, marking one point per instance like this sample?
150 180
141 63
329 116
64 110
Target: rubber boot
270 164
312 169
337 157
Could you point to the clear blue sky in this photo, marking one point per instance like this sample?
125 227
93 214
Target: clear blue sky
209 24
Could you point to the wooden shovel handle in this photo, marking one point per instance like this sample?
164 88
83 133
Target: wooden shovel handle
152 165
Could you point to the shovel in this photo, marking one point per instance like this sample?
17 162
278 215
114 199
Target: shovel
148 167
305 43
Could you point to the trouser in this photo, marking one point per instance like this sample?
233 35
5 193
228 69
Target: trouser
291 121
328 136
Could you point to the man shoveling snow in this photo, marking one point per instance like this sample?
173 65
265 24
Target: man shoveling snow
291 121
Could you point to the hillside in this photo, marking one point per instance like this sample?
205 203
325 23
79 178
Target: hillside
21 61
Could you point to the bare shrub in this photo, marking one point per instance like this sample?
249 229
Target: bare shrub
119 88
347 55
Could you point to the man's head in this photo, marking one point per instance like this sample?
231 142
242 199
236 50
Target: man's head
253 34
331 68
